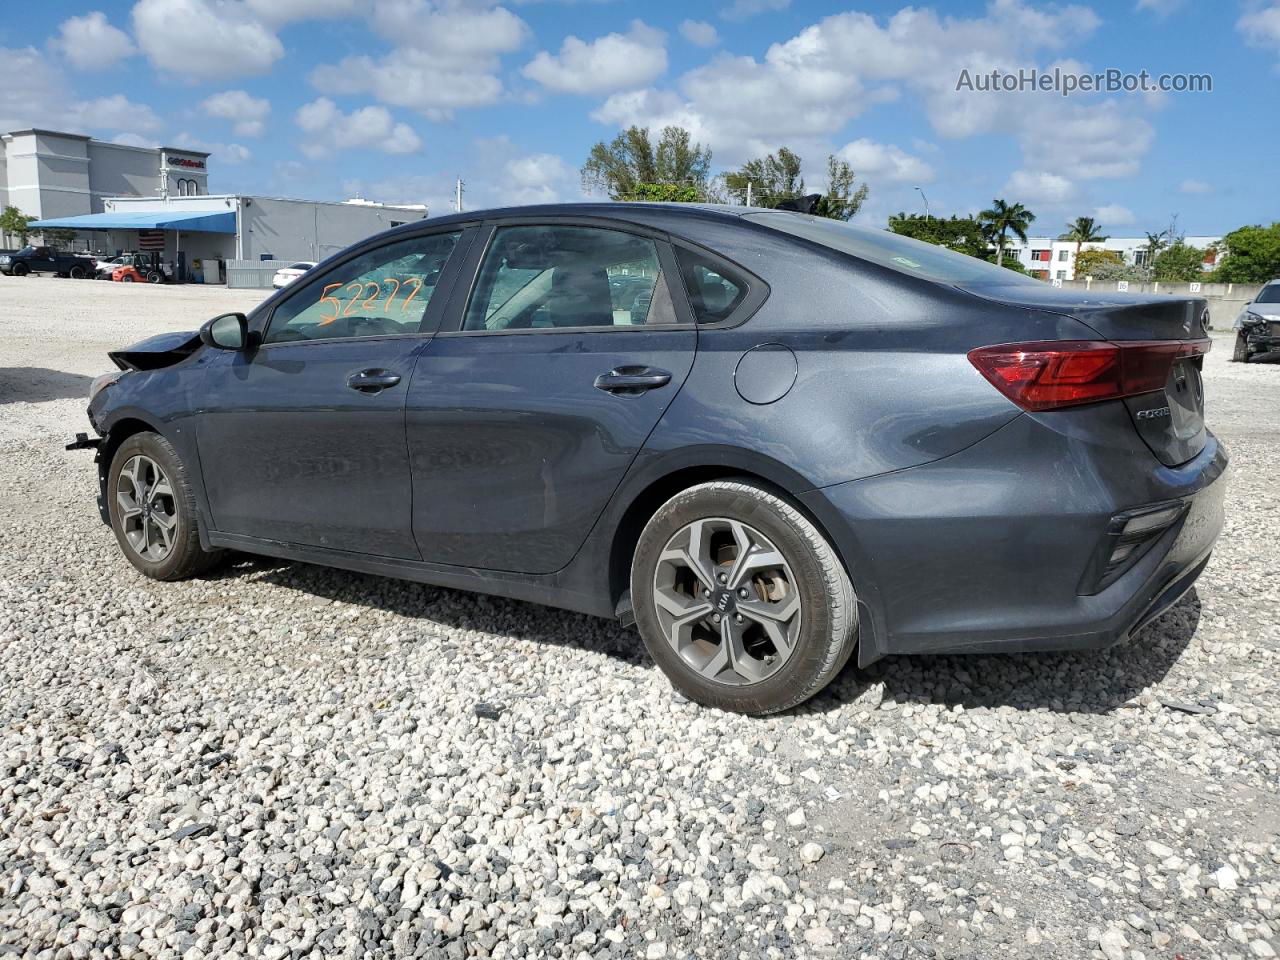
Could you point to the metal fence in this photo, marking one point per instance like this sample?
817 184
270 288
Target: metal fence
253 274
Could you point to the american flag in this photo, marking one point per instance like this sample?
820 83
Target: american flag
149 240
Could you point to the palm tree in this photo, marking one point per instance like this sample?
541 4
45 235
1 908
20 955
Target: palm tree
1004 218
1083 230
1155 243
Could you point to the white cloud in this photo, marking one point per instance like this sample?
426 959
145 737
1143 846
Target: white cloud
1113 215
229 153
745 9
368 127
248 113
1261 27
699 33
204 39
1161 8
884 163
444 58
1034 186
284 11
116 112
91 43
134 140
1195 186
828 73
616 61
537 178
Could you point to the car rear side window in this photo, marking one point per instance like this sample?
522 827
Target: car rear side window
714 289
382 292
552 277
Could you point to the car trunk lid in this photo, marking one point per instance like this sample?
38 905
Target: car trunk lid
1169 420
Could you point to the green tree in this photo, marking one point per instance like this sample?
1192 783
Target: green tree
1179 263
1082 230
1104 265
1251 255
962 234
1002 219
777 177
15 223
773 178
620 167
1155 243
663 193
841 201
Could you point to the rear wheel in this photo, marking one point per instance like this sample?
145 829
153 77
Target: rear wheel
1241 352
77 273
153 510
740 599
127 278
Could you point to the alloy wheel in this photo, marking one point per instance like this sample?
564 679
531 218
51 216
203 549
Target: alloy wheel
727 601
148 512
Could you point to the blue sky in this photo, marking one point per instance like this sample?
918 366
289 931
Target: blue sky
393 99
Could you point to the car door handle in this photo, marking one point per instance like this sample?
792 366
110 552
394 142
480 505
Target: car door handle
632 381
372 381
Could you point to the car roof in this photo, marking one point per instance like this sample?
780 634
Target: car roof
613 210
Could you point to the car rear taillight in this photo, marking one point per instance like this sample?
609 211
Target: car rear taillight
1049 374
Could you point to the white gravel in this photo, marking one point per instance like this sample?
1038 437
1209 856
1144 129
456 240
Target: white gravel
284 761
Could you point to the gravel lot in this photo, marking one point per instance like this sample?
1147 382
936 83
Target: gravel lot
286 761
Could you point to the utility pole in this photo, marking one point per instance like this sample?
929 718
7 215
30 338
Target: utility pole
457 202
926 202
748 193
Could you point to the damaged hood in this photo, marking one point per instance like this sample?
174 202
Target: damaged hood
162 350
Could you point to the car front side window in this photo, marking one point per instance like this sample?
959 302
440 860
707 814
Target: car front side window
382 292
554 277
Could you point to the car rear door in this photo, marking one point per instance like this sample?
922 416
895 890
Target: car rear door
528 407
302 439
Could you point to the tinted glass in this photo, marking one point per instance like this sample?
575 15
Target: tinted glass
383 292
714 289
554 277
1269 294
891 250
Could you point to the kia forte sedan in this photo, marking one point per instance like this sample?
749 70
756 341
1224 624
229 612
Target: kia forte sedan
772 442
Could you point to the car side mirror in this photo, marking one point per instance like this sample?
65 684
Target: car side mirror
227 332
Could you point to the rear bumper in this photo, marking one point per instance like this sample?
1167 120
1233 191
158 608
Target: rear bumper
983 552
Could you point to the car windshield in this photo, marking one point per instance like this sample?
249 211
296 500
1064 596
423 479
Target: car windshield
1269 294
892 250
28 249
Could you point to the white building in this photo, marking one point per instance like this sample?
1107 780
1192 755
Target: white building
47 174
1050 259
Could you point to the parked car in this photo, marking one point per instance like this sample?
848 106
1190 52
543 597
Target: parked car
1258 326
819 441
104 267
286 275
31 259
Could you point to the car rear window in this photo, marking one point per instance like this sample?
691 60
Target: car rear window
892 250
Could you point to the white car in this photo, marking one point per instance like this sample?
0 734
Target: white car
286 275
105 266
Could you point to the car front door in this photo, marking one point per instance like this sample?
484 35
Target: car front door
301 439
542 386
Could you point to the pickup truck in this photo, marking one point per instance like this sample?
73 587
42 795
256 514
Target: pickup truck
45 260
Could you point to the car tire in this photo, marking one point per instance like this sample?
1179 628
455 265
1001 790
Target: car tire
1241 352
20 270
153 510
77 273
688 562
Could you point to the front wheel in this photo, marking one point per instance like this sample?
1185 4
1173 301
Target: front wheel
20 270
1241 352
153 509
740 599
